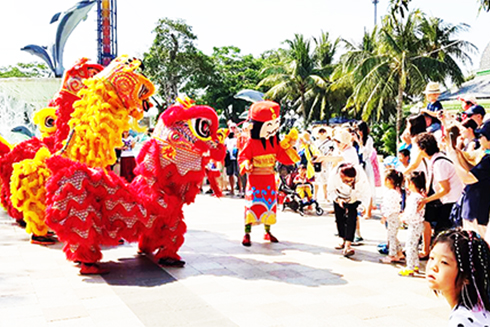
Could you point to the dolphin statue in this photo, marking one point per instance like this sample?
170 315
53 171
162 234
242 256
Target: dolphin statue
41 52
67 22
23 130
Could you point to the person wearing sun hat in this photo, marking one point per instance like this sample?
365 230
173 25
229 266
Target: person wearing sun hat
434 108
432 92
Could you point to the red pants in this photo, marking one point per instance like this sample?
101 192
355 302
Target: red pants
127 167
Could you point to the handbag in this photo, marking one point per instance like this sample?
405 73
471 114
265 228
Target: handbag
455 217
318 167
436 203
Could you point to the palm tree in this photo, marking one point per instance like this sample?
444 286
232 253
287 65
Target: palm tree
319 93
485 5
302 76
401 65
292 76
439 44
343 76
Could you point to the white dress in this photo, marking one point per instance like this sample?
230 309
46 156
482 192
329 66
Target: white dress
367 151
462 317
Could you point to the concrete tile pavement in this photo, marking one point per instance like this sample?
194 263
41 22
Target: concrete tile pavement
301 281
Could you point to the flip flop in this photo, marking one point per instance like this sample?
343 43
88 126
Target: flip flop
387 260
401 260
340 247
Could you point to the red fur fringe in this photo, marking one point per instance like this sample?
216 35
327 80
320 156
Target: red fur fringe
213 176
90 207
64 103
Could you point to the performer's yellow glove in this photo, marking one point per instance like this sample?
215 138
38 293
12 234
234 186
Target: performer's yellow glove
290 139
288 142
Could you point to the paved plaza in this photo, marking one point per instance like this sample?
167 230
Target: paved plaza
301 281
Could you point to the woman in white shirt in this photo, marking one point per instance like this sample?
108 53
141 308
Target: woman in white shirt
347 187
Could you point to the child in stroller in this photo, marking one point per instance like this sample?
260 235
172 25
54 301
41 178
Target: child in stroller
297 191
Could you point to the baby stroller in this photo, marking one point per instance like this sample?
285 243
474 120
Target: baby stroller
291 199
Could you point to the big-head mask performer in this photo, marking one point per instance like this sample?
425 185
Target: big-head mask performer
257 159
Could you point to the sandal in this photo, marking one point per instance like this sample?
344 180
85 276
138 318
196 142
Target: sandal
399 260
406 272
340 246
348 253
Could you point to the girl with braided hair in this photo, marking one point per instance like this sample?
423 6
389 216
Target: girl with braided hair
391 208
414 217
458 268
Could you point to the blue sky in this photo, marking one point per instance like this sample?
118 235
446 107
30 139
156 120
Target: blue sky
253 25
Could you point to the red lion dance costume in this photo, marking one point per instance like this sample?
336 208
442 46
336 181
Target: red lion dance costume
89 207
53 124
258 158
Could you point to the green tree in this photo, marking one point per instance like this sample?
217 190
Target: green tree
356 53
484 5
232 72
324 99
402 5
400 66
25 70
439 43
173 60
293 75
399 7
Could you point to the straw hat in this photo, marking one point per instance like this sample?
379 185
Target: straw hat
342 136
432 88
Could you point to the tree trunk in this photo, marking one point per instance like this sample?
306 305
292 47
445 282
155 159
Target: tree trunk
399 114
303 108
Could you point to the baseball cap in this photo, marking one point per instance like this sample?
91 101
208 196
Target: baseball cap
475 110
468 98
484 130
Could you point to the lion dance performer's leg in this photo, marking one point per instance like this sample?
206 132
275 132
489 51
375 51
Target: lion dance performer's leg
88 208
165 227
74 213
173 238
28 189
166 240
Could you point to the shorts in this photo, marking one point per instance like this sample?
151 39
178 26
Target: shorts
438 217
232 168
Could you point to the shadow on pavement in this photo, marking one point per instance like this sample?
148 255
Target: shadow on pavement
142 271
138 271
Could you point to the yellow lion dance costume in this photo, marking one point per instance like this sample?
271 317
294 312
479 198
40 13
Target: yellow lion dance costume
107 103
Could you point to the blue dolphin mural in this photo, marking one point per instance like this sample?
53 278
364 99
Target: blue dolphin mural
68 21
